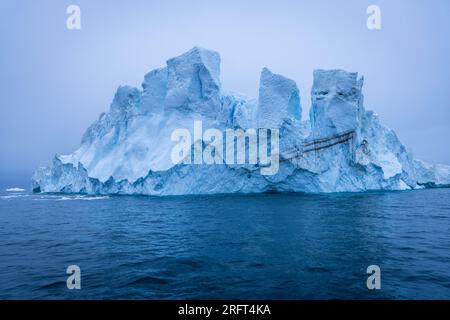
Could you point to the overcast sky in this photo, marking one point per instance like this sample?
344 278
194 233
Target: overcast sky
54 82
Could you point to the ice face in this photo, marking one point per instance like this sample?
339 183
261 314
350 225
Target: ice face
193 82
279 100
155 90
341 148
336 104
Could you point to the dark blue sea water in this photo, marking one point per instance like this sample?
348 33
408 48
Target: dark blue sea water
269 246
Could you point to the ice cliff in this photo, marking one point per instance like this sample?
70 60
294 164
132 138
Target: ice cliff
341 148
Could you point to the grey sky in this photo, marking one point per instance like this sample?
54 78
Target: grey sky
55 82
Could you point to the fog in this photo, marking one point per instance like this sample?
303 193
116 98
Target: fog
54 82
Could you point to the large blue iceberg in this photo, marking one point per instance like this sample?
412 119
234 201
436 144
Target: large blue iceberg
341 148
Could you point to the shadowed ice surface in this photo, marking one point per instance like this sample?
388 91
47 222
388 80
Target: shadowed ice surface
283 246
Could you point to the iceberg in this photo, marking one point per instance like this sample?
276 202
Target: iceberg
342 147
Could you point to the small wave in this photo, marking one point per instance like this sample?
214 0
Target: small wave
50 197
317 270
86 198
148 280
53 285
8 197
13 196
15 190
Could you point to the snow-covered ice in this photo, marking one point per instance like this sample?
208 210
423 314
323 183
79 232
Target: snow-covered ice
342 147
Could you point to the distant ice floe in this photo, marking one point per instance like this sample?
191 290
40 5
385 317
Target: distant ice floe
15 190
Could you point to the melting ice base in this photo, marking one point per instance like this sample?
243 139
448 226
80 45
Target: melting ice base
341 148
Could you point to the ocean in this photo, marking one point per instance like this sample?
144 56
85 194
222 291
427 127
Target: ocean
265 246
